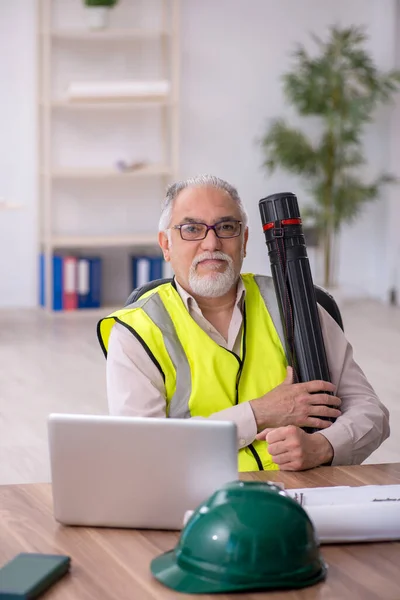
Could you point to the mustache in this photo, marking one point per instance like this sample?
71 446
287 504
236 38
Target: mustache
211 256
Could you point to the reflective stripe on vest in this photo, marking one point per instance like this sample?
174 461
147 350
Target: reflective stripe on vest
179 405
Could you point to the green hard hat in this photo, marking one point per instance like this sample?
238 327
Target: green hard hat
247 535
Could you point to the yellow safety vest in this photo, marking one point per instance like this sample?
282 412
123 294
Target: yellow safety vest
200 376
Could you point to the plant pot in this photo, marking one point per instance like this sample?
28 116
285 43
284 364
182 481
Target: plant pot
97 17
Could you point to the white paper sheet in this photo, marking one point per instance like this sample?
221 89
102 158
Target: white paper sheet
367 522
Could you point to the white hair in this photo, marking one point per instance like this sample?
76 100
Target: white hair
199 181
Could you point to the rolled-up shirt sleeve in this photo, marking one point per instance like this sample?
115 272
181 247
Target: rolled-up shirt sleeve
364 422
136 388
243 416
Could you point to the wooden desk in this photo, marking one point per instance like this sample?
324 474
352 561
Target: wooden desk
110 564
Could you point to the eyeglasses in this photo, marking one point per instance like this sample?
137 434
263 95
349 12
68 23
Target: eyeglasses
198 231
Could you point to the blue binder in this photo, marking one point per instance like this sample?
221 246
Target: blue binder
146 269
95 282
156 267
57 287
89 282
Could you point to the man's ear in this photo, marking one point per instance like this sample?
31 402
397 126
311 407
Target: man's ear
246 237
164 245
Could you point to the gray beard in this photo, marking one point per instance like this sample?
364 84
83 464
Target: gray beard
214 284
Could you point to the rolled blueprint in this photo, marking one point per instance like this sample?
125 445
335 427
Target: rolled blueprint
373 522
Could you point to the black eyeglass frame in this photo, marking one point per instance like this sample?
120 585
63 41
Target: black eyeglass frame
208 227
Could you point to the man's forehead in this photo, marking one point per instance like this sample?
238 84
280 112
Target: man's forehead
194 198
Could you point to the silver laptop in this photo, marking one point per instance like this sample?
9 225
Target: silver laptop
136 472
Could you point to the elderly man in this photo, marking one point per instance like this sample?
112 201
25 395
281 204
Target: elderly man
205 346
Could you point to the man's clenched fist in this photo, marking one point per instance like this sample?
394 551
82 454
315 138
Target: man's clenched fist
295 450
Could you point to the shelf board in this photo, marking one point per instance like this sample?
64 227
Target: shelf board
89 241
147 171
106 34
144 102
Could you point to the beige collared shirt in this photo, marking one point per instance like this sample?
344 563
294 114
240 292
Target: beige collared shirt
135 386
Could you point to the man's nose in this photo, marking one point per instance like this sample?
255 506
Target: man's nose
211 241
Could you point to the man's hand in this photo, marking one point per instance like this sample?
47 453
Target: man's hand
295 450
300 404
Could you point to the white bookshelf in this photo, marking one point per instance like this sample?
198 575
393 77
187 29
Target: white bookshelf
59 44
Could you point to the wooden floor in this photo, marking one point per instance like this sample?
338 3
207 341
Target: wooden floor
54 364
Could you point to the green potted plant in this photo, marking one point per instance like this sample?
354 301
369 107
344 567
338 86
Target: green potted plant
97 12
341 86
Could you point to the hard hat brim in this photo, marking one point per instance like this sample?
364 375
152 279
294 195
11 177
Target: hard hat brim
166 570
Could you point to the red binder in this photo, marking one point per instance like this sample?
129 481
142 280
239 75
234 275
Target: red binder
70 297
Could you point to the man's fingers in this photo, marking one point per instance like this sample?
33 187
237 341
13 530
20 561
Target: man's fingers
317 423
318 386
282 459
324 411
263 434
291 466
278 448
325 399
279 434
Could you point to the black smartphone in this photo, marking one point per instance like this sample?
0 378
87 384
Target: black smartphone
28 575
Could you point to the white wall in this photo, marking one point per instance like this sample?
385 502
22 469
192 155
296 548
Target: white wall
18 229
391 270
233 54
